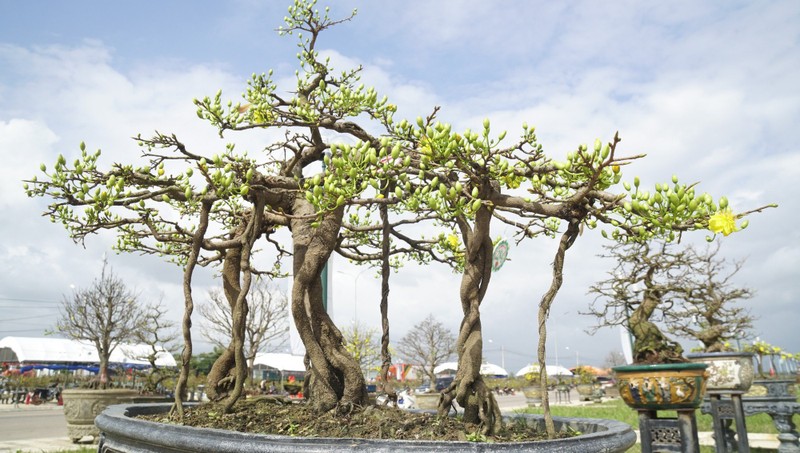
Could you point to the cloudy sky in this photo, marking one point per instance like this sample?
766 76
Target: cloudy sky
708 90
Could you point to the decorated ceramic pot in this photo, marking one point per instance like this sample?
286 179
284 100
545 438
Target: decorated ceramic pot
727 371
662 386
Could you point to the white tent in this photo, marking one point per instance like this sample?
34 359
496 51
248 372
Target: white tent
487 369
28 350
280 361
552 370
490 369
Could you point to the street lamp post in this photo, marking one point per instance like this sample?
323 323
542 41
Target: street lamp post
502 355
355 291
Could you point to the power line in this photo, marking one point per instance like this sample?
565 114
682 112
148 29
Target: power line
29 300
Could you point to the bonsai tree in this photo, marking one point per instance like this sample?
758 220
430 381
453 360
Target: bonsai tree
688 292
646 282
225 203
584 375
764 351
710 312
105 314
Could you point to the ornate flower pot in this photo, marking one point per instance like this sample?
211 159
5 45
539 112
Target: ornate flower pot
81 406
772 390
124 434
662 386
533 395
728 371
584 391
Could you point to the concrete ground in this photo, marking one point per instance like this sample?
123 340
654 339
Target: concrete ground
508 403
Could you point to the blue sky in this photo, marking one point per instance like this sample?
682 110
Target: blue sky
707 89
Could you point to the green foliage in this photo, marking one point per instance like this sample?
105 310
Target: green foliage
201 363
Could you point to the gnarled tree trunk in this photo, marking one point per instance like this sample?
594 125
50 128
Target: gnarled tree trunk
650 345
468 387
220 378
335 376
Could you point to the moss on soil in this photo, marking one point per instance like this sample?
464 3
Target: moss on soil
265 415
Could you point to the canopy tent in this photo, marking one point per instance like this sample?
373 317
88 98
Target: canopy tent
280 361
30 351
487 369
552 370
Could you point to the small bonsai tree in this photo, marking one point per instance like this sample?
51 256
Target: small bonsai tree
646 283
584 375
710 314
106 314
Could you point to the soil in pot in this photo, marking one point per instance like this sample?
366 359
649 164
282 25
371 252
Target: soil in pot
271 416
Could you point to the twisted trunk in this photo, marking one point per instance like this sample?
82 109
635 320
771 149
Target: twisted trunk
220 378
334 378
567 239
386 356
468 387
650 345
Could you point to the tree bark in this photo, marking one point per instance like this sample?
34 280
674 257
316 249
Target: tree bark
335 376
468 387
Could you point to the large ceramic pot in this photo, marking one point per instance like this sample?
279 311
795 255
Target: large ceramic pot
662 386
728 371
533 395
124 434
584 391
81 406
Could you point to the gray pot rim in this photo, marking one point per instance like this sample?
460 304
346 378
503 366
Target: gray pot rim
117 422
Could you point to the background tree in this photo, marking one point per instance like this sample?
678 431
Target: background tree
427 345
614 358
106 314
266 327
363 344
160 337
710 314
202 363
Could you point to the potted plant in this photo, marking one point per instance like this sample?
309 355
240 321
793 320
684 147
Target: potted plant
584 382
532 388
646 282
710 314
772 382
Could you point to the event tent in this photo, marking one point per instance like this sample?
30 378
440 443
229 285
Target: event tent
487 369
552 370
59 351
280 361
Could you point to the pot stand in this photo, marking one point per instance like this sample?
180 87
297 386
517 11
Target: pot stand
678 434
780 404
726 408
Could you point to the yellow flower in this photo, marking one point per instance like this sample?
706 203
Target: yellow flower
722 222
452 240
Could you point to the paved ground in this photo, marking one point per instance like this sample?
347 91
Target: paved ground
22 427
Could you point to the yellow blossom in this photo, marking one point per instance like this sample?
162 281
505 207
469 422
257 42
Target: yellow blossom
452 240
723 222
